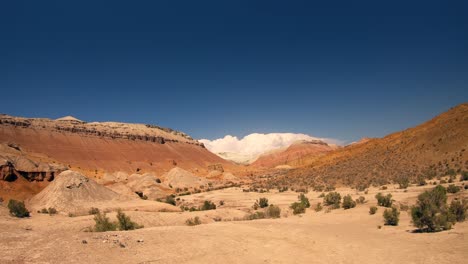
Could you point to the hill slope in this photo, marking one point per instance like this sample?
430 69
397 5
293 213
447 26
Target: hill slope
293 155
429 149
107 146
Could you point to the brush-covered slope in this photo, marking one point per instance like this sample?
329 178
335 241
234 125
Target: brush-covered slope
293 155
432 148
107 146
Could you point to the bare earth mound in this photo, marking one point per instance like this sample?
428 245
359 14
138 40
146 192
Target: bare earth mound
70 192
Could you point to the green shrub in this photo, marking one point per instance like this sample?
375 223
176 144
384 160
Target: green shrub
459 209
273 211
391 216
372 210
361 200
332 199
298 208
403 182
348 202
17 209
430 214
452 188
318 207
304 200
385 201
193 221
208 205
125 223
254 216
102 223
263 202
464 176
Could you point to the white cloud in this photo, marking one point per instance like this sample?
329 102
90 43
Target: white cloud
256 144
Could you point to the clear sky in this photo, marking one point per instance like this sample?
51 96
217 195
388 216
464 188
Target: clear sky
336 69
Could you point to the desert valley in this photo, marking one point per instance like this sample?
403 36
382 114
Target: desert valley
106 192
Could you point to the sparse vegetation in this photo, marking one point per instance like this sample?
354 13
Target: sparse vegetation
361 200
255 216
298 208
193 221
430 214
273 211
17 209
372 210
452 188
464 176
318 207
208 205
102 223
459 208
332 199
348 202
93 211
391 216
263 202
125 223
403 182
385 201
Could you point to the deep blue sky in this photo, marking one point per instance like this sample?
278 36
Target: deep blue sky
339 69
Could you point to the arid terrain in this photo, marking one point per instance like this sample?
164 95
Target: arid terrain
339 236
185 204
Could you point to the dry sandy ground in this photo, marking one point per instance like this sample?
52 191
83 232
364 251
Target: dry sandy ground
341 236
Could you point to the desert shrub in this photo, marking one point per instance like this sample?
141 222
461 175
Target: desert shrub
361 200
404 207
193 221
421 181
93 211
17 209
383 188
451 172
321 195
102 223
332 199
385 201
273 211
1 200
391 216
348 202
298 208
263 202
466 187
170 200
44 211
318 207
373 210
459 209
256 215
464 176
221 203
430 213
304 200
443 181
452 188
125 223
208 205
52 211
403 182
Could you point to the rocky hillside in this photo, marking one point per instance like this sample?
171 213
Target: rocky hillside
293 155
430 149
98 147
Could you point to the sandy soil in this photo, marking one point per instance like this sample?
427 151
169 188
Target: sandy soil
340 236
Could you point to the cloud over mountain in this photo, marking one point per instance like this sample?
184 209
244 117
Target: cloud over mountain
256 143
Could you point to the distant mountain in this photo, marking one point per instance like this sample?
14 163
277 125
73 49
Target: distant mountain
432 148
292 156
